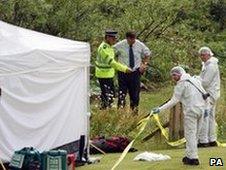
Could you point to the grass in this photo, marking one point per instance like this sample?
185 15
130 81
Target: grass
175 163
120 122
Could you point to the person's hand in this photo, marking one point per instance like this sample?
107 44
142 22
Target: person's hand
143 68
156 110
129 70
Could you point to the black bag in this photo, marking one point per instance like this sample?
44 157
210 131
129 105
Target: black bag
205 96
110 145
27 158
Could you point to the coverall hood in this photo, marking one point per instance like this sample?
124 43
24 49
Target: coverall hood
184 76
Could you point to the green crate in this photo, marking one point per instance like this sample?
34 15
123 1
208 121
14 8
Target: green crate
17 160
26 158
54 160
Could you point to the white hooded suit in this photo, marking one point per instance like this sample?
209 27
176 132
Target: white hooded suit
193 108
210 78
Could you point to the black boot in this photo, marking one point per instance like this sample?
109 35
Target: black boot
188 161
214 143
203 145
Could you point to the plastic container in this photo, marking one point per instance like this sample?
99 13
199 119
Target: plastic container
54 160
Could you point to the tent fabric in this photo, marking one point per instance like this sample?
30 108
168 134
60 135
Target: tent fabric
44 83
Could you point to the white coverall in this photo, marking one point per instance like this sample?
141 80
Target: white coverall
210 78
193 108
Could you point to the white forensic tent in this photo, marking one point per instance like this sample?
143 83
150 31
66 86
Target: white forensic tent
44 82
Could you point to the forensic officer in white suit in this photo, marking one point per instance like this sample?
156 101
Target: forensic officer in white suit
210 78
189 92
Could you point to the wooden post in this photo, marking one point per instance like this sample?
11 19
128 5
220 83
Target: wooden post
176 123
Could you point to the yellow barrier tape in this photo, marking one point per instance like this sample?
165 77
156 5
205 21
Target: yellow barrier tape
221 144
177 143
141 127
180 141
123 154
163 131
166 134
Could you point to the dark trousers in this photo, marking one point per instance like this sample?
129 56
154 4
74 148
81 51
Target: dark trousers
107 92
131 83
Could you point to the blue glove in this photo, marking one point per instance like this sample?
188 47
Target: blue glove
156 110
206 113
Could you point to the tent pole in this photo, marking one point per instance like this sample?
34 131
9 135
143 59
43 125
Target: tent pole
2 165
87 70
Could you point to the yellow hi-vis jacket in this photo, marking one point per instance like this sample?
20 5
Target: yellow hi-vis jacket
105 62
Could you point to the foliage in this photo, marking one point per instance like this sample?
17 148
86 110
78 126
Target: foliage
121 122
173 29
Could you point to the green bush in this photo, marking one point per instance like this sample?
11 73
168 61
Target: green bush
174 30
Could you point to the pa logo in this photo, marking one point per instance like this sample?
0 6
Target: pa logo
216 162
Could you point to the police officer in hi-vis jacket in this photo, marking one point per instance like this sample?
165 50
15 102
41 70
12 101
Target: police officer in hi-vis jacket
105 66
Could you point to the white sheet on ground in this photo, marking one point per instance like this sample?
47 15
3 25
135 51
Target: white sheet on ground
150 156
